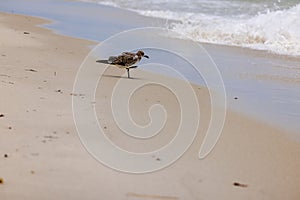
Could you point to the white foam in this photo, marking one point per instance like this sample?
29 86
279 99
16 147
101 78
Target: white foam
106 3
276 31
272 29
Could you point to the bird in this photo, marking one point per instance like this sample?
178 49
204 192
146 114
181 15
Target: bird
127 60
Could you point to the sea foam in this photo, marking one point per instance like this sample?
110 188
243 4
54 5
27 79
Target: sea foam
275 31
262 25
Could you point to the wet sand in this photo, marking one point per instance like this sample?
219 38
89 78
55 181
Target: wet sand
41 156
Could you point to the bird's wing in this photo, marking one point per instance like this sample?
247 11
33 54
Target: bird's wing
128 53
118 60
112 59
125 60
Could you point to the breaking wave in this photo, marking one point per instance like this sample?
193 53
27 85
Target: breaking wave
262 25
275 31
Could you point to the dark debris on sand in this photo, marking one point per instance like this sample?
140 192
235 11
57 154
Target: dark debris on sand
240 185
30 70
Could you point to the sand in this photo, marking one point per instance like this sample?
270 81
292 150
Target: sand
41 156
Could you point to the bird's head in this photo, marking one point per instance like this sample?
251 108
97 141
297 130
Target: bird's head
141 54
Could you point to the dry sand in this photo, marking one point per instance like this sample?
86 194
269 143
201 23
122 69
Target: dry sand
41 156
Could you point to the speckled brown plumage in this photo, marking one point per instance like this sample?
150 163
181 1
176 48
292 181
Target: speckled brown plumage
126 60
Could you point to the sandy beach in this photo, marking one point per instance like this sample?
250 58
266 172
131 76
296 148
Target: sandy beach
41 156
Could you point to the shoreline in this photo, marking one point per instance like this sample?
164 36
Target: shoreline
45 158
266 84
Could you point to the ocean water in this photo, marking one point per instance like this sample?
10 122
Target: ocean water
272 25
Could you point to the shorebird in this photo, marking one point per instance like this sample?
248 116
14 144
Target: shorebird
127 60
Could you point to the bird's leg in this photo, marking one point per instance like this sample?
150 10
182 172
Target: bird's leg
128 72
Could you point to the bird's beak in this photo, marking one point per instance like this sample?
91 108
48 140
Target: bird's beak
146 56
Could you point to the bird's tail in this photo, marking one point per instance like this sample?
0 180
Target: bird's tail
112 59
